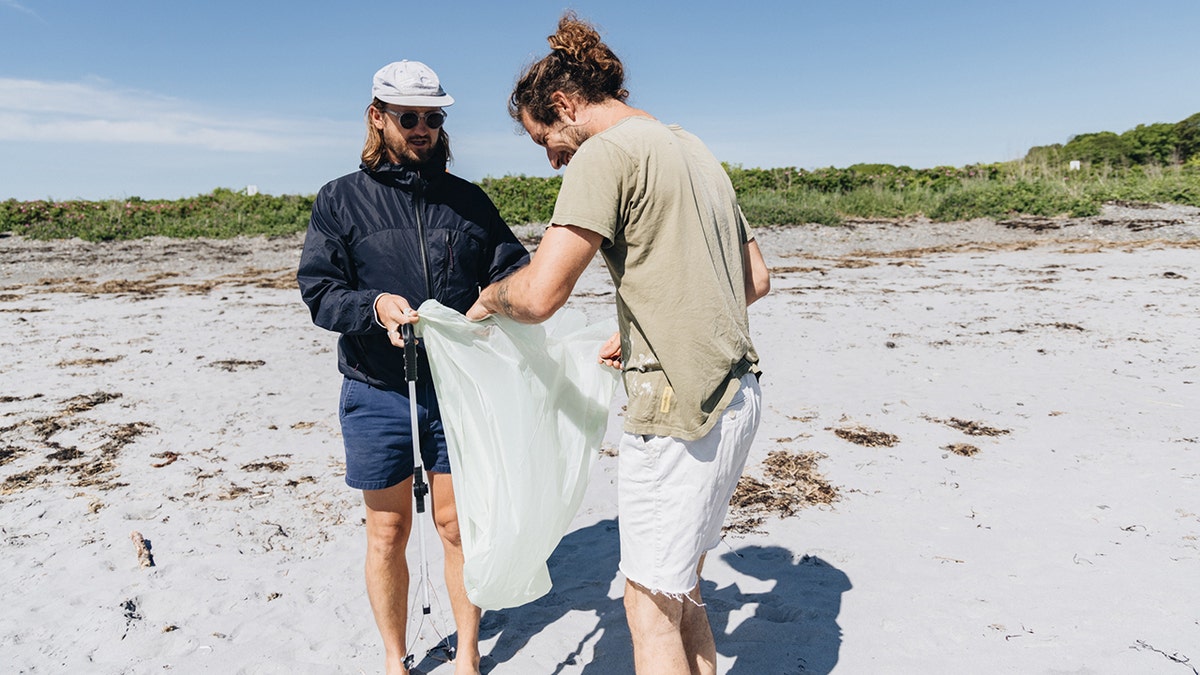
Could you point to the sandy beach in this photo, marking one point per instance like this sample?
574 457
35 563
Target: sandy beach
980 453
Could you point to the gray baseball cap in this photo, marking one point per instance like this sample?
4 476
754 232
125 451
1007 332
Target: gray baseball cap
409 83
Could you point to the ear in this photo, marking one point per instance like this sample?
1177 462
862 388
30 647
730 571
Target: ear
565 105
375 117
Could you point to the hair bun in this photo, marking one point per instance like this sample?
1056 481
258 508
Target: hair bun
579 64
574 39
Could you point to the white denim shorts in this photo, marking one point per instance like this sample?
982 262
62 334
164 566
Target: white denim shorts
673 495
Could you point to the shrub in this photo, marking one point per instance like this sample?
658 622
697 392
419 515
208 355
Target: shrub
794 208
1188 134
523 199
221 214
880 202
1040 184
999 199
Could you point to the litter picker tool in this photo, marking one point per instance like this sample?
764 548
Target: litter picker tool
420 487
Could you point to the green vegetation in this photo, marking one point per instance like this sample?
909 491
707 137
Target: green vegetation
1151 163
1146 144
523 199
220 215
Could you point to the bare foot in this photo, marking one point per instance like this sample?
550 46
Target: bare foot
395 666
466 664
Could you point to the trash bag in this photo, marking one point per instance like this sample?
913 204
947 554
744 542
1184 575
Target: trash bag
525 409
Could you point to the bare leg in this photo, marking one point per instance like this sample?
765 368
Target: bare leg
466 615
655 624
671 636
389 521
698 641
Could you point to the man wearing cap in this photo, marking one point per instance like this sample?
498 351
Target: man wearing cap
659 207
381 241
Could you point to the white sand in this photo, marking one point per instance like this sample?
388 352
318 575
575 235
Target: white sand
200 410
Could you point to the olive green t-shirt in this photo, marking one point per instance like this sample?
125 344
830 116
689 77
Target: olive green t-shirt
674 237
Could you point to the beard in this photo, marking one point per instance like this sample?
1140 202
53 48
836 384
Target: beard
409 154
577 135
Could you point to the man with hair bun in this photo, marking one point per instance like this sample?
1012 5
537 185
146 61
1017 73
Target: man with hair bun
659 207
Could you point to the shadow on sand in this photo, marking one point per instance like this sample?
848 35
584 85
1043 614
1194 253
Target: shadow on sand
790 629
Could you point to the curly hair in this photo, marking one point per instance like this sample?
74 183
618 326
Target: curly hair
579 64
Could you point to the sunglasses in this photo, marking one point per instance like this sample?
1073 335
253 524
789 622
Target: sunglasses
408 119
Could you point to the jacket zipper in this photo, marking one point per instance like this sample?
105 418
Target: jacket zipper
419 208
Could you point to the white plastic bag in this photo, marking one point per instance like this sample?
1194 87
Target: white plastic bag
525 408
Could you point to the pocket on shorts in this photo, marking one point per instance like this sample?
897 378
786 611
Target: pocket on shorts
745 390
351 396
649 446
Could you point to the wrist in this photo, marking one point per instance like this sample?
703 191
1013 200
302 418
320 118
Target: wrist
375 310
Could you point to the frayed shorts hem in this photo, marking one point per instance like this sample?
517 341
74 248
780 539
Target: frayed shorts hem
677 596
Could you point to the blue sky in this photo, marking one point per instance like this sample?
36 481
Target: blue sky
168 99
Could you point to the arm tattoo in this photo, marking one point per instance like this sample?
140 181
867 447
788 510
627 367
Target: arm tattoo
503 303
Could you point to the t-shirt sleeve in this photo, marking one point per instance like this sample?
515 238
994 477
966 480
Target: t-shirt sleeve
593 189
744 230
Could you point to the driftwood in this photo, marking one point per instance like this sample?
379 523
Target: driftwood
145 558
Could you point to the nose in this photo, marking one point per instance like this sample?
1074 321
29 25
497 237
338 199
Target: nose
560 158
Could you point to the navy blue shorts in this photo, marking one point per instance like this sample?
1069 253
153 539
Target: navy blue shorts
378 435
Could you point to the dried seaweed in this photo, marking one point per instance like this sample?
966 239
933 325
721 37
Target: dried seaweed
868 437
968 427
792 482
963 449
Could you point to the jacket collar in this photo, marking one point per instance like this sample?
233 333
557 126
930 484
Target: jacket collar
408 176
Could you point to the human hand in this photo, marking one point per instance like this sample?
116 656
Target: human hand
478 311
610 352
394 311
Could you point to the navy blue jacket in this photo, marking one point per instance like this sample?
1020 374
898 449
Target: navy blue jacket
363 240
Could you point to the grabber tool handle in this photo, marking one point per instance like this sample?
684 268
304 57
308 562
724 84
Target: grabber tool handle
410 352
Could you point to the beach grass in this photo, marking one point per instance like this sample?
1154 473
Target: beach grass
782 196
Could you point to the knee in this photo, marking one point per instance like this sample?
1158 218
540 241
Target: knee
652 611
448 530
388 536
